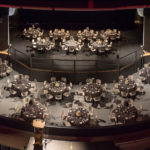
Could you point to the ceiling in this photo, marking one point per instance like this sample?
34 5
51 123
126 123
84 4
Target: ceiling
76 5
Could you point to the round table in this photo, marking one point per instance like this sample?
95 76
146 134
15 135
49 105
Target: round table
127 86
72 45
32 111
21 85
92 89
97 45
125 113
78 116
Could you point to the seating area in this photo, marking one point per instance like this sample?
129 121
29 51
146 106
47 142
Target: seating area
62 40
56 90
78 105
128 88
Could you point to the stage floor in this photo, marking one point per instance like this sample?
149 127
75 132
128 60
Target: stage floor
131 41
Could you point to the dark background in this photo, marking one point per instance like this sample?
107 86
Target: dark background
74 19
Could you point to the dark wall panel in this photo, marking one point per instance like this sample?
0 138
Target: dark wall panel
3 28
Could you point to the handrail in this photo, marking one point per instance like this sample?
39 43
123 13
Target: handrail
131 53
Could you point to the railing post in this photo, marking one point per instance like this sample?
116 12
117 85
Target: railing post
30 66
118 65
135 61
15 58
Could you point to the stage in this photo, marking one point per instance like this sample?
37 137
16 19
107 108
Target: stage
126 53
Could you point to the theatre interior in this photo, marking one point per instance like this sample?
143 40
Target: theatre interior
74 75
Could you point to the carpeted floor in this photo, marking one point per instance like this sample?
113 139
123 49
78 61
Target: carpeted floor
55 110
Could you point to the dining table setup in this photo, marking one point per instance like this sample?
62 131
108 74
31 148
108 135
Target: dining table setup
109 34
43 44
32 32
100 46
56 90
59 34
78 116
20 86
71 46
94 92
128 87
124 113
144 74
33 110
87 33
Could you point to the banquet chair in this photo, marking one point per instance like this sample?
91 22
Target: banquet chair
34 36
88 99
33 84
146 65
40 48
132 94
66 94
24 94
89 80
71 49
112 37
108 47
65 48
113 119
130 77
124 94
6 62
64 79
53 79
79 40
25 100
116 85
16 108
98 81
12 92
116 91
9 84
45 82
45 92
121 77
103 95
58 97
26 77
101 50
96 99
1 92
93 49
48 47
78 48
45 116
32 90
70 84
118 35
16 76
140 108
9 70
34 43
49 97
3 74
